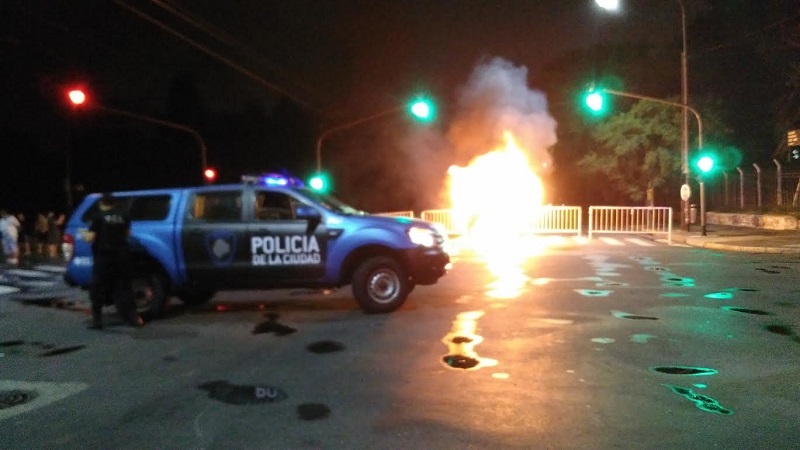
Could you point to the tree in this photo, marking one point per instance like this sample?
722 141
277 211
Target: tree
637 149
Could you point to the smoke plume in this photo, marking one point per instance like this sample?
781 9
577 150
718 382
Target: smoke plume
496 99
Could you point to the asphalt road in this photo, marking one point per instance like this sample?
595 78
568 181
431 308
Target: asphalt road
618 343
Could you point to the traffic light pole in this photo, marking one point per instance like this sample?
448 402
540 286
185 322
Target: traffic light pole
345 126
684 148
702 206
177 126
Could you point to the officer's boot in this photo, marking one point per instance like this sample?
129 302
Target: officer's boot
97 318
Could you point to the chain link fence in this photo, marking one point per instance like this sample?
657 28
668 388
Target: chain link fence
758 187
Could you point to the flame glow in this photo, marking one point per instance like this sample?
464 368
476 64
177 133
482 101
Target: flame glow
494 200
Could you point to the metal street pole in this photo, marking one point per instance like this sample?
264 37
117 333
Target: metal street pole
345 126
613 5
177 126
685 109
684 116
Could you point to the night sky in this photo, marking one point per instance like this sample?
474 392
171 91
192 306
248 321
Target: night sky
260 79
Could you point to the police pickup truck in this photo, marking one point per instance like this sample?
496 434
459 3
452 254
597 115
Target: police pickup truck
269 232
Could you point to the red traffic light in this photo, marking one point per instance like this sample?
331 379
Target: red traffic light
210 174
77 96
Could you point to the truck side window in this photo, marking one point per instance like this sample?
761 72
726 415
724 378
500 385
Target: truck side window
273 206
216 206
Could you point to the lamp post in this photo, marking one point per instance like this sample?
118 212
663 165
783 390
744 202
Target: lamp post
613 5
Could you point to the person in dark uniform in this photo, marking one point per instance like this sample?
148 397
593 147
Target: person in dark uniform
108 234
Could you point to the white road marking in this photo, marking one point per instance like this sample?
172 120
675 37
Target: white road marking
50 268
7 289
28 273
642 242
46 393
611 241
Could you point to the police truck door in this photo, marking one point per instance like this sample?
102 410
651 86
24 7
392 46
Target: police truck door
284 248
215 248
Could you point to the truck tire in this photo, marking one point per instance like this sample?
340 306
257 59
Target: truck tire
149 293
380 285
195 297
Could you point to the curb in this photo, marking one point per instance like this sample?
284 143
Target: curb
739 248
695 241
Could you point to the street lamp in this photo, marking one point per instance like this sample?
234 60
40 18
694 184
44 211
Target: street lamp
613 5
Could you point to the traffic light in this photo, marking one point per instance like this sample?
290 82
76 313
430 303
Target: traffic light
705 163
76 96
319 182
423 109
596 101
210 174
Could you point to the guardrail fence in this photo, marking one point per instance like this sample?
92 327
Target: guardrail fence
631 220
567 219
409 214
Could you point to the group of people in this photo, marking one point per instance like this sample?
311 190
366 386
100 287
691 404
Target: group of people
108 234
22 238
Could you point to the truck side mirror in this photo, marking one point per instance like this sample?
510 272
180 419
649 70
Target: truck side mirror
307 213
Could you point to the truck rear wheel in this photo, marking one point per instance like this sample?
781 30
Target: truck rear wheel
149 293
380 285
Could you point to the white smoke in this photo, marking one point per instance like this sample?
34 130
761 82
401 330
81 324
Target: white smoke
497 99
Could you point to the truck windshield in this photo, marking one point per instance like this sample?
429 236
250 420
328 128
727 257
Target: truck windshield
331 203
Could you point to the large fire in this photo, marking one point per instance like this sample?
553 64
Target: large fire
494 200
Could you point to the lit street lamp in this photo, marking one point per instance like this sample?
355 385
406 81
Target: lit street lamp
613 5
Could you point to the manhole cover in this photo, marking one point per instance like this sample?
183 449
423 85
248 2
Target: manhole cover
9 399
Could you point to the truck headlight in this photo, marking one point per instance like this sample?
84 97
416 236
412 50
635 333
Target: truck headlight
422 236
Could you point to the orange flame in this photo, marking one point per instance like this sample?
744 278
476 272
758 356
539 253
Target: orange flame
494 200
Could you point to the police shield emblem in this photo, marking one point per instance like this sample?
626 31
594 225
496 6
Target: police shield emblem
221 247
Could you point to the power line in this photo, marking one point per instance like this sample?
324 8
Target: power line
214 54
229 40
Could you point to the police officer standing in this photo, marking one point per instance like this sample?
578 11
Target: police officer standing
108 234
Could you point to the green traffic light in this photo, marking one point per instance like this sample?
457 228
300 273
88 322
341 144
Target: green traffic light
595 101
423 109
318 183
705 164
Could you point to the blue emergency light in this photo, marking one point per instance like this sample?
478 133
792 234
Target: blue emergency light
273 179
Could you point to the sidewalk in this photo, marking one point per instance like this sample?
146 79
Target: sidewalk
740 239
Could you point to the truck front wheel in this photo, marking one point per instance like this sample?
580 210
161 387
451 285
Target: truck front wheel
381 285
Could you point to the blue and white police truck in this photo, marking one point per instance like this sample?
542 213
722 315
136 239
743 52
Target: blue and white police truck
268 232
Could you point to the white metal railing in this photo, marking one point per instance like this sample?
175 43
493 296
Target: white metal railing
557 219
547 219
442 216
631 220
409 214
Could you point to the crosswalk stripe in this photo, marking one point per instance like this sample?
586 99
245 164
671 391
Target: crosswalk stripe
28 273
50 268
611 241
7 289
641 242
